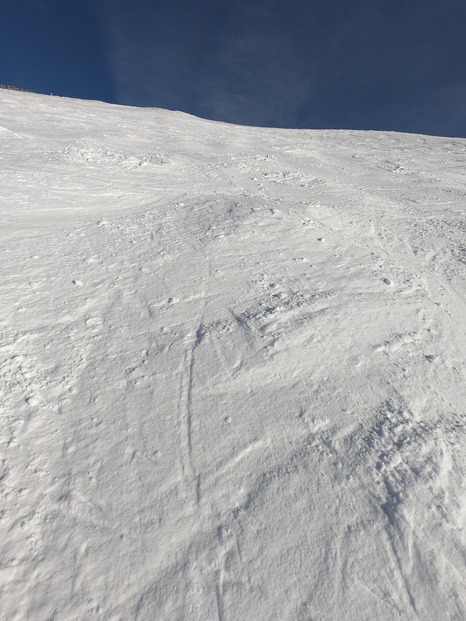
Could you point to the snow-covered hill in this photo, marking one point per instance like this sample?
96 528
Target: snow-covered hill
232 369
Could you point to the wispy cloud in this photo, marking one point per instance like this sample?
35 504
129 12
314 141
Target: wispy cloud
366 64
256 74
246 68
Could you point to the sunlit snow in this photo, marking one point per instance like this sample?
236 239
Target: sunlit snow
232 369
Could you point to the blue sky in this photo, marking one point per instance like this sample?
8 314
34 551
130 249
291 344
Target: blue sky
365 64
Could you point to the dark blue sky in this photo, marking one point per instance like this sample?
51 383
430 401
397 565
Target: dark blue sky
364 64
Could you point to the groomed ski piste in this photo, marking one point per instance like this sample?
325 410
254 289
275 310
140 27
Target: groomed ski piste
232 369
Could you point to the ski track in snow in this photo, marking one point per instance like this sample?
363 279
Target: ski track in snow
233 369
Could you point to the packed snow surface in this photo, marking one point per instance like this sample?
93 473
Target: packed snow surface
233 369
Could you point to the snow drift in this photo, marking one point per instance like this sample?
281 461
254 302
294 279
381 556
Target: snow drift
232 371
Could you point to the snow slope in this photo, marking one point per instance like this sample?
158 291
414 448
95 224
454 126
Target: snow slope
232 369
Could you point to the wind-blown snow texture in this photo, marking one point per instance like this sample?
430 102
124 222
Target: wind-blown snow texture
233 369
